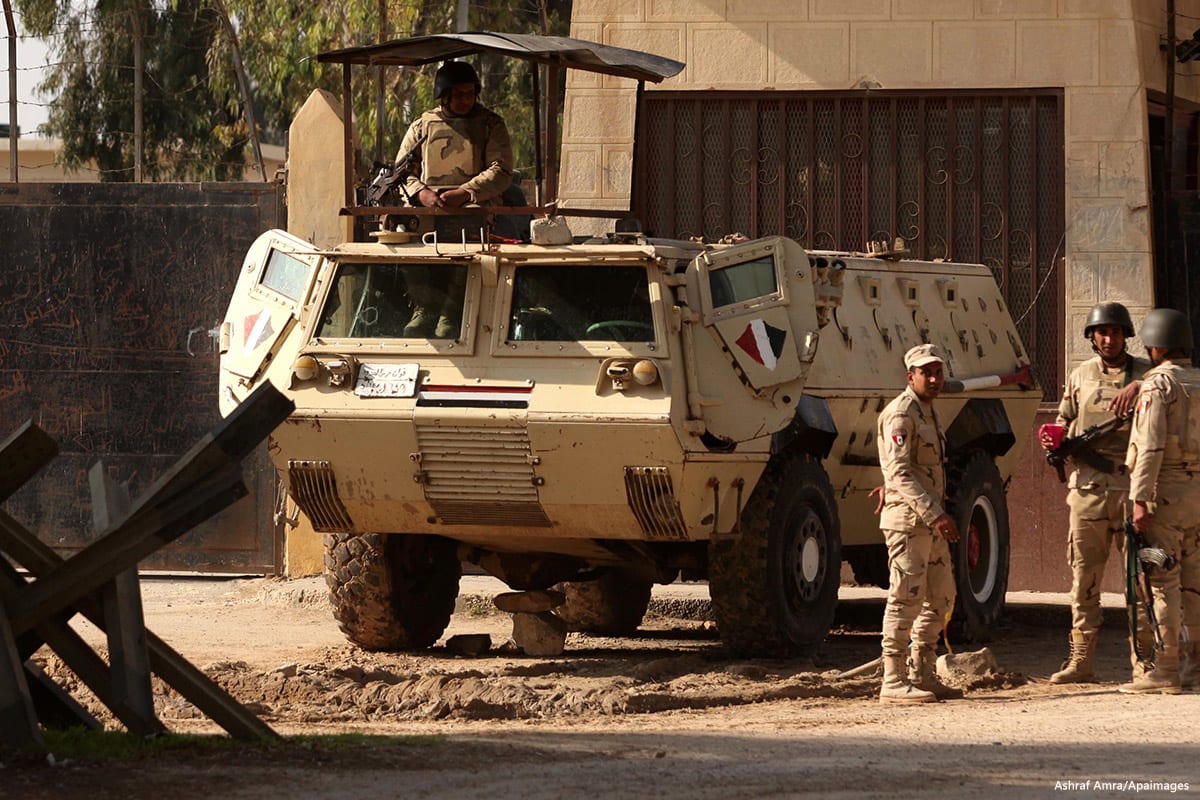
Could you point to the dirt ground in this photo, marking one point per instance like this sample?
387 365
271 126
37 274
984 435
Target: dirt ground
662 714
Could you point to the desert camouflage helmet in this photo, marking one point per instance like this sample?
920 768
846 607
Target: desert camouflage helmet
1108 314
454 73
1167 328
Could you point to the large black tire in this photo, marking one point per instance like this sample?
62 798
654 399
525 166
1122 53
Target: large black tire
870 564
611 605
774 588
975 499
393 591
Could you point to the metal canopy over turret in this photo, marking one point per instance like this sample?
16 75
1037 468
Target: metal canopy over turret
560 51
554 52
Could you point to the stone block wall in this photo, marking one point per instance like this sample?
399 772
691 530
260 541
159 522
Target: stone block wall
1105 54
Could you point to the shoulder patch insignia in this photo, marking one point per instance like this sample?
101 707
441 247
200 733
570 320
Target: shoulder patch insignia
899 437
1144 403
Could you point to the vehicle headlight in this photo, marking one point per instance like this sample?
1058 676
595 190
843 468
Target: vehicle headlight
645 372
305 368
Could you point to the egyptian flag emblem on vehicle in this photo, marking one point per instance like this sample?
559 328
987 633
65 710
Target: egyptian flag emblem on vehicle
255 329
763 342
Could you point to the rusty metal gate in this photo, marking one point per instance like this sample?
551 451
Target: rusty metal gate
965 176
110 295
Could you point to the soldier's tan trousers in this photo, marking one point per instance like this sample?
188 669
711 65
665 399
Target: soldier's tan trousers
921 591
1176 529
1097 523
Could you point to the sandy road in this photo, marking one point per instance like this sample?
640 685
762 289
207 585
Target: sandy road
663 714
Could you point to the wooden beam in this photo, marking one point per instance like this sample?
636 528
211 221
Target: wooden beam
196 687
54 705
122 602
203 481
122 549
60 637
22 455
18 720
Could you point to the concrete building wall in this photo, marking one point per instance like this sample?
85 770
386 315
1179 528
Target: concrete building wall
1105 55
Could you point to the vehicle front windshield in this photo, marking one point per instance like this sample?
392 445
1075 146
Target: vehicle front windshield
562 303
395 301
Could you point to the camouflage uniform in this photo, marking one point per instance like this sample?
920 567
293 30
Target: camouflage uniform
1164 473
1096 501
921 589
471 152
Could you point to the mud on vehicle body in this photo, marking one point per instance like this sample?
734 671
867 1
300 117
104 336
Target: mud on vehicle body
617 412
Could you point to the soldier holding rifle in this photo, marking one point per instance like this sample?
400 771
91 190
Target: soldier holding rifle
1164 490
1097 487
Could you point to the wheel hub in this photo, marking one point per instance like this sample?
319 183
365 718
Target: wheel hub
982 549
807 557
973 547
810 559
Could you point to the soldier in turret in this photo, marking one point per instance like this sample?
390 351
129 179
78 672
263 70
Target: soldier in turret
1164 489
463 152
460 154
1098 487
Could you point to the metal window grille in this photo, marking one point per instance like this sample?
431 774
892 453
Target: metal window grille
962 176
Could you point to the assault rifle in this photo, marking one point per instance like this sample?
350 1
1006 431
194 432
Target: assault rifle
1080 448
1139 557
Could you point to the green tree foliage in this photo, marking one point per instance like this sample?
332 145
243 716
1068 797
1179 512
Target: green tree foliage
279 37
189 132
193 117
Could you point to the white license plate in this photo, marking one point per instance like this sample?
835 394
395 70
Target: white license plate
386 380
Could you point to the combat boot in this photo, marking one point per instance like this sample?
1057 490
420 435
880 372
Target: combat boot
896 688
1164 678
421 324
1141 655
1189 676
1078 666
923 673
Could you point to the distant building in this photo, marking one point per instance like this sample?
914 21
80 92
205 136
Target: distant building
37 162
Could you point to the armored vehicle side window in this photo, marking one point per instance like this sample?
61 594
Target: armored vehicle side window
739 283
395 301
286 275
560 303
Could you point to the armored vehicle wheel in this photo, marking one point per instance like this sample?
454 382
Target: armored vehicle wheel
774 587
975 499
870 564
612 605
391 592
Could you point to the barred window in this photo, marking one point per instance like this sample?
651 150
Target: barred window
961 176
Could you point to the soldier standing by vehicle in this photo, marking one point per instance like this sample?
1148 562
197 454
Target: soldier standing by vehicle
1097 487
916 528
1164 485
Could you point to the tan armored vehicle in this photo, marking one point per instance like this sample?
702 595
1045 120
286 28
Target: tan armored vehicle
617 412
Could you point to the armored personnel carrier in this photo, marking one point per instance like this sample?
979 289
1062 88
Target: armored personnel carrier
615 412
